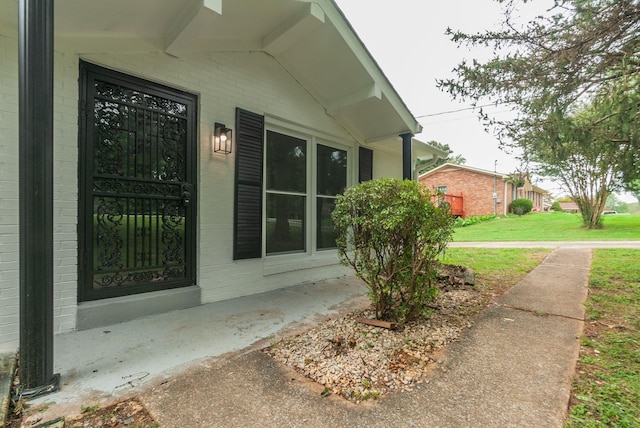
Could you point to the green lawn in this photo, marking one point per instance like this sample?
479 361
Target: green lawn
606 392
550 227
606 388
503 261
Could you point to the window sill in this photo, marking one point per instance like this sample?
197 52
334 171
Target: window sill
273 265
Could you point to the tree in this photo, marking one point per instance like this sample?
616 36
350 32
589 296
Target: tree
634 189
517 178
556 206
576 151
616 204
575 73
451 158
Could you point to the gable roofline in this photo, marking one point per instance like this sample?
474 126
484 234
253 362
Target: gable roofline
415 128
480 171
465 167
312 40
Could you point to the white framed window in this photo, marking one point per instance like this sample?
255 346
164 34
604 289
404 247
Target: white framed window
304 174
331 181
286 187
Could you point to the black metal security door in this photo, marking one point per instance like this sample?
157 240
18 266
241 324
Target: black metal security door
137 175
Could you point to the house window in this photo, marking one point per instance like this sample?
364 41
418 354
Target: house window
298 215
332 180
442 189
286 193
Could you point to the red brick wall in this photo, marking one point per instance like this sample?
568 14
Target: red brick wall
476 189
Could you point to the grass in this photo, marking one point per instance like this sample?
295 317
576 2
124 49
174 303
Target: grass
136 241
550 227
606 388
497 269
497 260
606 391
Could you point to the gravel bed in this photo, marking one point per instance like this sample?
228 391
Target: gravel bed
359 361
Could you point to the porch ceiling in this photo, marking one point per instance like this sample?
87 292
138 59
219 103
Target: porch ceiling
311 39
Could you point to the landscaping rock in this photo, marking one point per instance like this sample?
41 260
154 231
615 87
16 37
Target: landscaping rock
360 361
454 276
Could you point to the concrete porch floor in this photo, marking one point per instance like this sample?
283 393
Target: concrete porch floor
105 363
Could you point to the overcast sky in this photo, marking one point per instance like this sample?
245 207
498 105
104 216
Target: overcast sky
407 39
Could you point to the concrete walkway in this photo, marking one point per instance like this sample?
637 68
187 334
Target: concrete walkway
101 365
199 367
512 369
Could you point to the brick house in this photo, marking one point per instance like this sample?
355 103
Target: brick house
483 192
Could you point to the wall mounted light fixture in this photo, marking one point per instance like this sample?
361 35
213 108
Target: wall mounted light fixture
221 138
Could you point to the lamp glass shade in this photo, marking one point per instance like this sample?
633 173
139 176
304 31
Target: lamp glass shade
222 139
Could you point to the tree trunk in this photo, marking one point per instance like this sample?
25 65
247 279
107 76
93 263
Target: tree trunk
591 209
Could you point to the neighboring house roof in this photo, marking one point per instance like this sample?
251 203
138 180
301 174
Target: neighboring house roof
452 167
539 190
568 206
312 41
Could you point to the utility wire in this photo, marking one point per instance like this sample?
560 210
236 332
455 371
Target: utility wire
454 111
460 118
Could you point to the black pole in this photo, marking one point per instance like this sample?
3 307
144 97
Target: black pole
35 64
407 173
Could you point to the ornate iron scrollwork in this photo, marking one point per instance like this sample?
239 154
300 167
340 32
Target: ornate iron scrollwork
140 187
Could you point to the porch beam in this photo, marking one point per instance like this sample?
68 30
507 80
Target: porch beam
187 27
407 167
372 92
294 29
35 70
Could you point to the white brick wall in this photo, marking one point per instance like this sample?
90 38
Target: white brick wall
224 81
387 163
65 188
9 273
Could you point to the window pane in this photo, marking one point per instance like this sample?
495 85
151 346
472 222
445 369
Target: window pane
286 163
285 223
325 232
332 170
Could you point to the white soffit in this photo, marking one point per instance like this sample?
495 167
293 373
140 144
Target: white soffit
311 39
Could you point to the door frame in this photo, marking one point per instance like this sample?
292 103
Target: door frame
85 181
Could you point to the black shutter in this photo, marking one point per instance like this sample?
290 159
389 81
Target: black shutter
366 164
247 225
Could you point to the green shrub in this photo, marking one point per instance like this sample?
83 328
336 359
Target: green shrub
391 234
521 206
556 206
462 222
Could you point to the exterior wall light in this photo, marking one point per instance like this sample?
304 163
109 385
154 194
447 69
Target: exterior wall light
222 138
